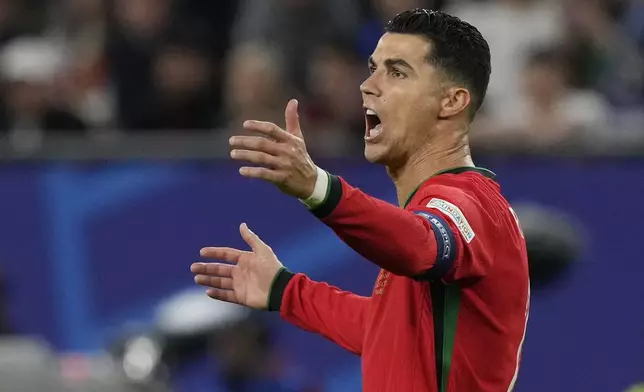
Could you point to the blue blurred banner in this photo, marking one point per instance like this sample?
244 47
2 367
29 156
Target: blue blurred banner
87 247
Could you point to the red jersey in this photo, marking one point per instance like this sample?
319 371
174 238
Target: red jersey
449 309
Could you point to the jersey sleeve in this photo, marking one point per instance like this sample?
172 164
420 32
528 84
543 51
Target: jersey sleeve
433 238
339 316
465 230
388 236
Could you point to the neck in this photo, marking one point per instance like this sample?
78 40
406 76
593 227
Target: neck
433 158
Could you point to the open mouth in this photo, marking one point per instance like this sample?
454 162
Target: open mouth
373 124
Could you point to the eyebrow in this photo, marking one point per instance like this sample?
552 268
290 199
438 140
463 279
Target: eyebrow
392 62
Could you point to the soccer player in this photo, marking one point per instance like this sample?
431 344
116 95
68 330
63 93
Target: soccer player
449 309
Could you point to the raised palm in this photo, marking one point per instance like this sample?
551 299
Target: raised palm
247 279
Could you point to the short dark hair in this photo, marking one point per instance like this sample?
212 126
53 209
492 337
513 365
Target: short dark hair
459 49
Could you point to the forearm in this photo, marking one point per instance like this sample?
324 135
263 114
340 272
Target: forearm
337 315
394 239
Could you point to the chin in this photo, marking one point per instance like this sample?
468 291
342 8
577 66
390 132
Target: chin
376 154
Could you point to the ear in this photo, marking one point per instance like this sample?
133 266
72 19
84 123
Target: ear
455 100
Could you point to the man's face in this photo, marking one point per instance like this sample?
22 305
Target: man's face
401 99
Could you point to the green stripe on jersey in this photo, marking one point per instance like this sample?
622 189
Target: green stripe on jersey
450 319
445 306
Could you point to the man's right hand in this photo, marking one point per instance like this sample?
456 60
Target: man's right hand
247 281
278 156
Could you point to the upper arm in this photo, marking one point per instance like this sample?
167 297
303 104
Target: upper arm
465 232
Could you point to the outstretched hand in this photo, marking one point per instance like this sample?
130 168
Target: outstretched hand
280 155
247 280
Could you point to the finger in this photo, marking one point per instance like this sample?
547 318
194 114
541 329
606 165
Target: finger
251 238
262 173
293 119
214 282
257 157
230 255
268 129
256 143
223 295
213 269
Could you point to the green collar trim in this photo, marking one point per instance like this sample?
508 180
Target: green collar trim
455 170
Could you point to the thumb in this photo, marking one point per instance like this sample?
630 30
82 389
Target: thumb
251 238
293 119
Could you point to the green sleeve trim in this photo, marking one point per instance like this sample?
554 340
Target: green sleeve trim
278 287
270 292
332 199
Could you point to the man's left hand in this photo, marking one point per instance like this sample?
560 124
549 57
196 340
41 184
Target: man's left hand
280 155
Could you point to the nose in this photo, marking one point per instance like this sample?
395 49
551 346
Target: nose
369 87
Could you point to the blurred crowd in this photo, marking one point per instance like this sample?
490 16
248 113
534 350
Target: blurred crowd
563 71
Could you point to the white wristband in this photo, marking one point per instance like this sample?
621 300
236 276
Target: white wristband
319 191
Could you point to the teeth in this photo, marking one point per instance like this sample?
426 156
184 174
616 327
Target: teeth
371 112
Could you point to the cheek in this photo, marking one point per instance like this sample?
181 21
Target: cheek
402 105
412 112
420 113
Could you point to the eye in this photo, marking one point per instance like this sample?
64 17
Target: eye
397 74
372 69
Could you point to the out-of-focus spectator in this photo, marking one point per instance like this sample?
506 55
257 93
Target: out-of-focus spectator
296 26
9 20
334 119
181 95
138 29
210 345
22 17
215 20
512 28
548 114
81 27
251 362
605 57
31 69
217 17
175 65
256 87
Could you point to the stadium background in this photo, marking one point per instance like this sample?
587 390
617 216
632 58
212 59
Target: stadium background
114 173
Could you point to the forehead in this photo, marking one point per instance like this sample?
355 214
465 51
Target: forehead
414 49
